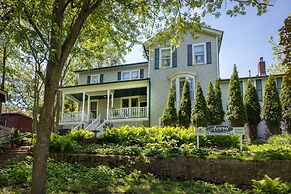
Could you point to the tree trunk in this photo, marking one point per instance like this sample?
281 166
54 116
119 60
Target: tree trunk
35 104
57 112
41 148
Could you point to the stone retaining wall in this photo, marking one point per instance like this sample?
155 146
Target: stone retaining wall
186 168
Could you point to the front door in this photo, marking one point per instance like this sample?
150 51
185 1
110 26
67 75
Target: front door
93 110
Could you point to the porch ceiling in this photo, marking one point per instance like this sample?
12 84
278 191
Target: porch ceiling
117 94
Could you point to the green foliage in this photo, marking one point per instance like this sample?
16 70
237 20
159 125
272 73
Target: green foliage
141 136
169 117
271 109
214 104
253 109
63 177
200 115
285 98
236 112
270 186
61 144
219 116
80 135
184 118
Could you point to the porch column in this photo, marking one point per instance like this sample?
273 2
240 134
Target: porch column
88 106
83 107
112 99
63 105
148 100
108 100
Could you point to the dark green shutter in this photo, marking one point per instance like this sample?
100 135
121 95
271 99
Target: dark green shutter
157 55
189 55
101 78
141 73
208 52
88 79
174 58
118 75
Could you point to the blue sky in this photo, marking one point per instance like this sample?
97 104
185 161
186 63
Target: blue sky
246 38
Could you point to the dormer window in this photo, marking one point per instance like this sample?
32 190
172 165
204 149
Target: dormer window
199 53
95 79
128 75
165 57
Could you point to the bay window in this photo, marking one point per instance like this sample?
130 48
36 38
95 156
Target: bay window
177 83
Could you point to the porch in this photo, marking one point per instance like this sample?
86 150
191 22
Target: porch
119 102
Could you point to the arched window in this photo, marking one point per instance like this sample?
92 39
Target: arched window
177 82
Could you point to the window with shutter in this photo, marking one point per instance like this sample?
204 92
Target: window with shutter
174 58
199 51
165 57
157 54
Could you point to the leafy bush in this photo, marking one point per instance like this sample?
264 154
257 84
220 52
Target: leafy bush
270 186
80 135
61 144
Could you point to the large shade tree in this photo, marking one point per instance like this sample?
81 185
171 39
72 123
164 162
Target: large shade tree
60 25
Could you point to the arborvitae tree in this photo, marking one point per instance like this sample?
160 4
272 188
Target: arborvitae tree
285 98
211 104
236 112
200 115
253 109
185 107
272 110
219 117
169 117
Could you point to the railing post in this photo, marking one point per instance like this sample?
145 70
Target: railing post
63 105
108 99
83 107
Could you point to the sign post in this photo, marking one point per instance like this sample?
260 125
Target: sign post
220 130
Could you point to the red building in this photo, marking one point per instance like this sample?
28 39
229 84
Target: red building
18 121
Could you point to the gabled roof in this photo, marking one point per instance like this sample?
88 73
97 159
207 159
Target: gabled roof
204 29
111 67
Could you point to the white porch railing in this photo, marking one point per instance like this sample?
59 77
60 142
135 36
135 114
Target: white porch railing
95 123
74 117
124 113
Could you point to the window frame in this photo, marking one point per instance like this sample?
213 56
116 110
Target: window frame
160 58
193 53
178 96
91 79
129 101
130 72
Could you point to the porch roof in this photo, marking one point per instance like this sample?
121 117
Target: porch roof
117 94
98 90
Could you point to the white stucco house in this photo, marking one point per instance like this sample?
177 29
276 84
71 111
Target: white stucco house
136 93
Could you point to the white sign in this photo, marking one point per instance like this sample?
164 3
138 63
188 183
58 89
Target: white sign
220 130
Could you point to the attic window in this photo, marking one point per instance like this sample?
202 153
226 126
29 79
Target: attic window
95 79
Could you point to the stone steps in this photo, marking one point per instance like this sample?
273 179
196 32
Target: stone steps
17 154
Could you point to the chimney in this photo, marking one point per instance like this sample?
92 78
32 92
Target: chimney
261 67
